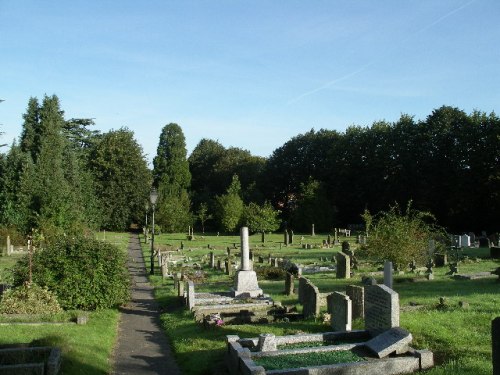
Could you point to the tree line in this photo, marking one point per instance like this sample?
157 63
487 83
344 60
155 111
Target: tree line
63 176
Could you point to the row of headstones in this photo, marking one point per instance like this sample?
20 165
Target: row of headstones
468 240
377 304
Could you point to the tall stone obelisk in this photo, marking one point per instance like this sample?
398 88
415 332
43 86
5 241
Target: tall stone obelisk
246 284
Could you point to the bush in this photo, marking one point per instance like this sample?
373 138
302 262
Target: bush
270 273
29 299
84 273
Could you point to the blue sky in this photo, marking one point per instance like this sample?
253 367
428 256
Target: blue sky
250 74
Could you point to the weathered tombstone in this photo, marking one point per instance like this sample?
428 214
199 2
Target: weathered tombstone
180 290
395 340
290 237
212 259
246 279
285 237
484 242
465 240
343 266
440 260
289 284
388 274
227 265
312 231
190 295
302 283
346 246
311 301
267 342
340 308
164 269
495 343
177 280
357 296
381 309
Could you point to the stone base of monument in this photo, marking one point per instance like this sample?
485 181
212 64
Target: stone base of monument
387 353
246 285
30 360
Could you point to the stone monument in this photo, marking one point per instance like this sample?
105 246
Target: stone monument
246 284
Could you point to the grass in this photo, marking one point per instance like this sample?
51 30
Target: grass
86 348
460 338
305 360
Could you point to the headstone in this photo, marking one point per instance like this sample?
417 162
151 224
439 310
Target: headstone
190 295
395 340
346 246
440 260
343 266
212 259
180 290
484 242
495 343
340 308
302 284
290 237
275 262
228 267
164 269
289 284
177 280
381 309
472 236
267 342
388 274
465 240
312 231
285 238
357 296
246 279
311 301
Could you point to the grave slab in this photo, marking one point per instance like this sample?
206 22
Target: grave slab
395 340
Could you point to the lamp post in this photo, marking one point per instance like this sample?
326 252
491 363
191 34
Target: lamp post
146 226
153 196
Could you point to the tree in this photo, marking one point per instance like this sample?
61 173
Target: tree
122 178
203 215
172 178
230 207
400 237
262 218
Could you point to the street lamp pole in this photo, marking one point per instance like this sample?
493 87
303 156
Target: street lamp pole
153 196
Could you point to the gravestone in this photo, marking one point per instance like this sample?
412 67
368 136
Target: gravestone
228 267
285 238
275 262
246 284
312 231
311 301
219 265
388 274
395 340
289 284
465 240
472 236
190 295
440 260
484 242
346 246
343 266
212 259
340 308
495 343
164 269
357 296
381 309
180 288
290 237
267 342
177 280
302 284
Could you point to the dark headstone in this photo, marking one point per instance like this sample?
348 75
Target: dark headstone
495 342
289 284
357 296
346 246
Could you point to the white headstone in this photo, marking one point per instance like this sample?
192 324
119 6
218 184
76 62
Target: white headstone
388 274
465 240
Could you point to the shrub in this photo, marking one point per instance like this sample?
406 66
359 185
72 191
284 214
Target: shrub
29 299
84 273
270 273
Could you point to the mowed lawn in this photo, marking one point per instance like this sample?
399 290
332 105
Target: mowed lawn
87 349
460 337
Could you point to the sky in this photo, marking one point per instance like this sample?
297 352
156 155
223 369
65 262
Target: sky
249 73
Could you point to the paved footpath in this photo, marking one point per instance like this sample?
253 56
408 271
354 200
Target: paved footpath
142 348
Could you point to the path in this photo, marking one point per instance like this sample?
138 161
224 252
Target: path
142 348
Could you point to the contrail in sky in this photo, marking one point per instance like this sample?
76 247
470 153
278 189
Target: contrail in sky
364 67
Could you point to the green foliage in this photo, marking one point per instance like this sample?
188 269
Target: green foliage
29 299
84 273
270 273
122 178
400 237
307 359
172 178
230 207
261 218
203 215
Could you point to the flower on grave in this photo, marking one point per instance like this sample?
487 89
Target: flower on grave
219 322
